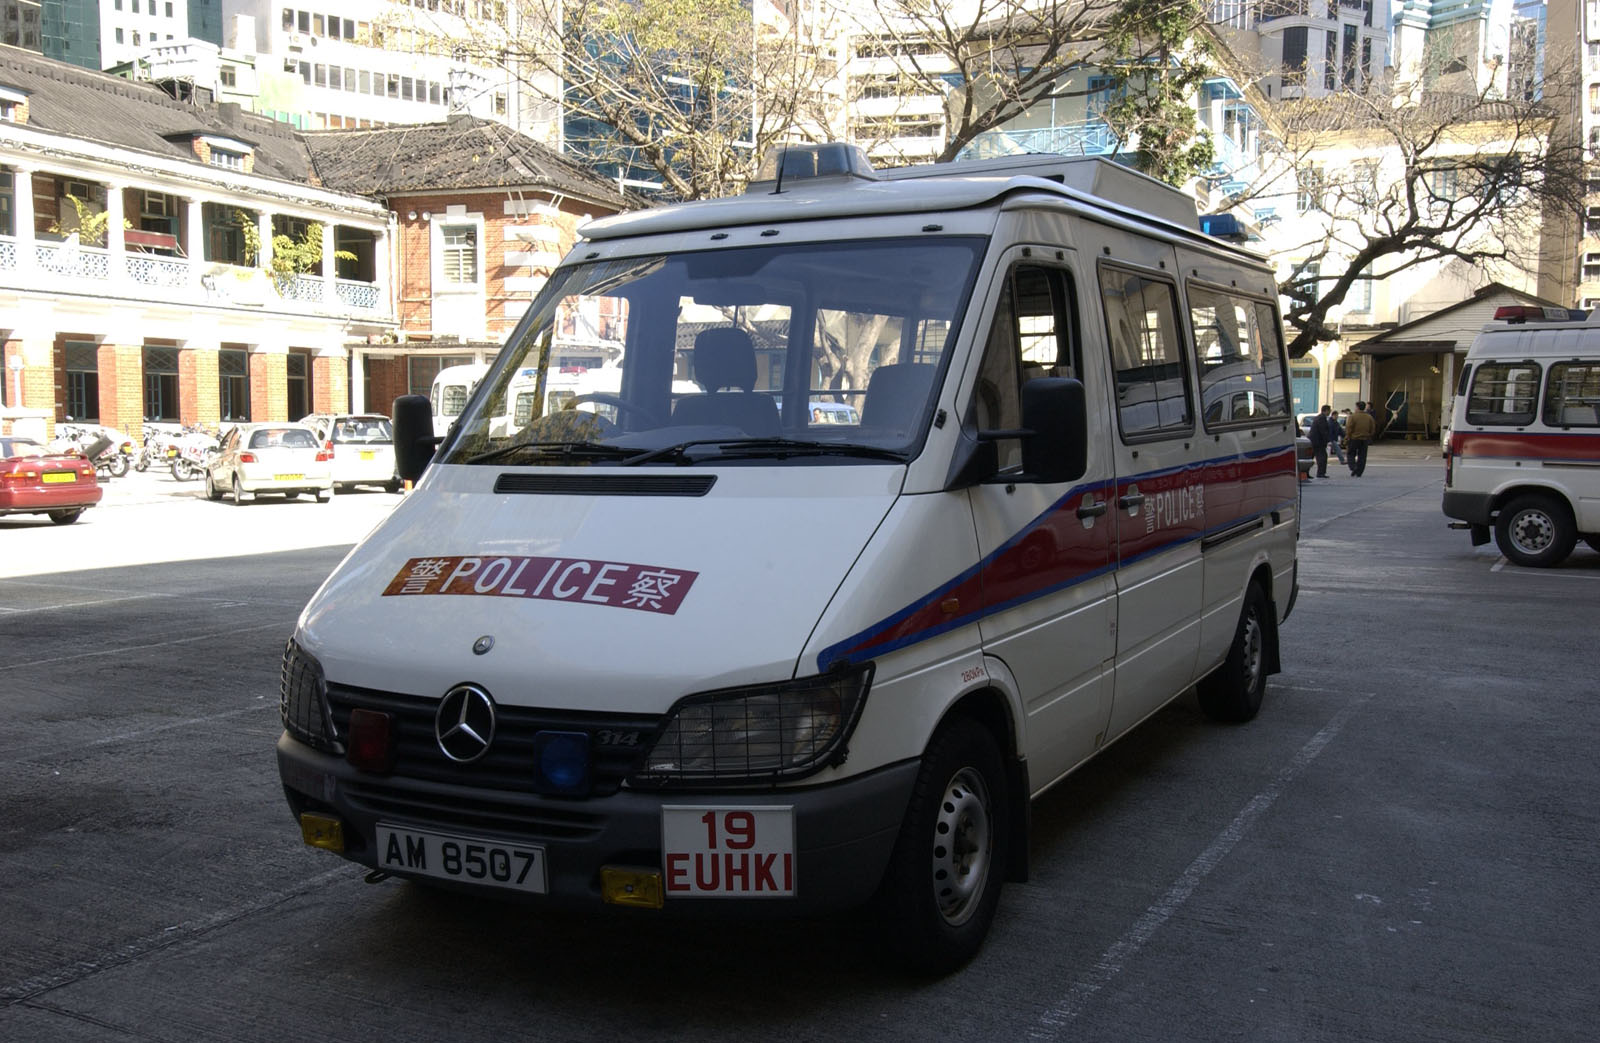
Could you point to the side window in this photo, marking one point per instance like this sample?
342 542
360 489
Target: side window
1503 393
1239 356
1031 336
1461 384
1572 396
1146 354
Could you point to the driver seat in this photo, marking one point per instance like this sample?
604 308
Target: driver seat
724 357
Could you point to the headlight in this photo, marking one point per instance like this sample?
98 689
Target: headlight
302 700
764 733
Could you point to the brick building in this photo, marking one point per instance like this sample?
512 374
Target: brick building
137 272
482 214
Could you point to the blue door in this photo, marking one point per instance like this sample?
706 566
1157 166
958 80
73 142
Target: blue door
1303 383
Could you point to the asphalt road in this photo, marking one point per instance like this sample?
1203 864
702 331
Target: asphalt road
1401 847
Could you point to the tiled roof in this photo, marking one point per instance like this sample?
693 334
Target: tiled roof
99 107
463 152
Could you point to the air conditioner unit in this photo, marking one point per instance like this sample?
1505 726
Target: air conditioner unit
296 42
290 65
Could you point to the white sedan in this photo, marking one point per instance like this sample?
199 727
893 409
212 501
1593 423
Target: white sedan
363 449
286 459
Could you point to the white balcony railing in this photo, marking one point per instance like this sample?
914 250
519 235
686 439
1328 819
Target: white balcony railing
300 288
72 260
359 295
53 265
147 270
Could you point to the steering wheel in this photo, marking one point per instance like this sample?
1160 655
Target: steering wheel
616 401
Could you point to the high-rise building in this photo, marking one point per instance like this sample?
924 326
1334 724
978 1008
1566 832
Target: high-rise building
97 34
19 24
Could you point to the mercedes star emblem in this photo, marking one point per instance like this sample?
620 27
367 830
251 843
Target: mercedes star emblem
464 724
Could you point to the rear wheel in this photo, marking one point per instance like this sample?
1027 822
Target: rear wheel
392 487
1593 542
212 492
66 517
943 882
118 466
1535 531
323 495
1233 691
238 493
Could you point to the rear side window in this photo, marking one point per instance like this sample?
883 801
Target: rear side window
1504 393
1572 396
1239 357
1146 353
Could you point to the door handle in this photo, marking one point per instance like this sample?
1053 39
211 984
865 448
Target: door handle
1092 510
1130 501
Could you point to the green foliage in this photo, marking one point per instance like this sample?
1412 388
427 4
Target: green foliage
290 257
91 226
1157 64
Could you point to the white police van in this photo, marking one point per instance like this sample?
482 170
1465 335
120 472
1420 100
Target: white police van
699 652
1523 452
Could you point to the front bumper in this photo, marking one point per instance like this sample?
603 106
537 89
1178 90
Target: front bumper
844 831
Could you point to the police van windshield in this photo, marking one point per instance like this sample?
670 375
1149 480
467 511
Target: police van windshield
802 352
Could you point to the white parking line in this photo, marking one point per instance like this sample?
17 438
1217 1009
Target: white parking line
29 988
77 604
1500 566
121 649
1127 947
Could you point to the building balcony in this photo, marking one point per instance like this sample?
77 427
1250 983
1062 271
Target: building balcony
69 267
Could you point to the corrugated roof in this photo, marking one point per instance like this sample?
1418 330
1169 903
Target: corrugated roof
99 107
463 152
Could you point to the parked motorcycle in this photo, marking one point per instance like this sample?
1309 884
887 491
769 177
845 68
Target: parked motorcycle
109 450
194 450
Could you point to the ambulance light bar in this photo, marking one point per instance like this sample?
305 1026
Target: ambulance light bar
1524 312
791 164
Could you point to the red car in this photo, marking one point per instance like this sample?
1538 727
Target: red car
33 480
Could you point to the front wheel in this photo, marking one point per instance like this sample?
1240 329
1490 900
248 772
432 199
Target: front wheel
1233 691
118 466
1535 531
942 886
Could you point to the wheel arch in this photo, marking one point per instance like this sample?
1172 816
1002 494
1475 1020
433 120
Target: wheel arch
990 709
1262 574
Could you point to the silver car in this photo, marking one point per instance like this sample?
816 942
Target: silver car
286 459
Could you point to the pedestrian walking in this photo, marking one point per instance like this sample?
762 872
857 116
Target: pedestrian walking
1358 434
1336 435
1320 434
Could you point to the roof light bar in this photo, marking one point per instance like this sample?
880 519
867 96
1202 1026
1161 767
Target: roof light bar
788 165
1524 312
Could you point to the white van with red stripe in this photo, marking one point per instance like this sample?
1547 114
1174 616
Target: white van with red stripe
1523 457
700 652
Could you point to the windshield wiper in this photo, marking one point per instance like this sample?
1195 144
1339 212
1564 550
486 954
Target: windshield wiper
786 447
774 447
553 449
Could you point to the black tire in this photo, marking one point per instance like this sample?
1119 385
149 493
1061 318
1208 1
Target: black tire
323 497
118 466
212 492
943 883
238 493
66 517
392 487
1535 531
1233 691
1593 542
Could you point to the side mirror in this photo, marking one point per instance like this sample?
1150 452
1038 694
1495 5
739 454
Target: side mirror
414 441
1055 411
